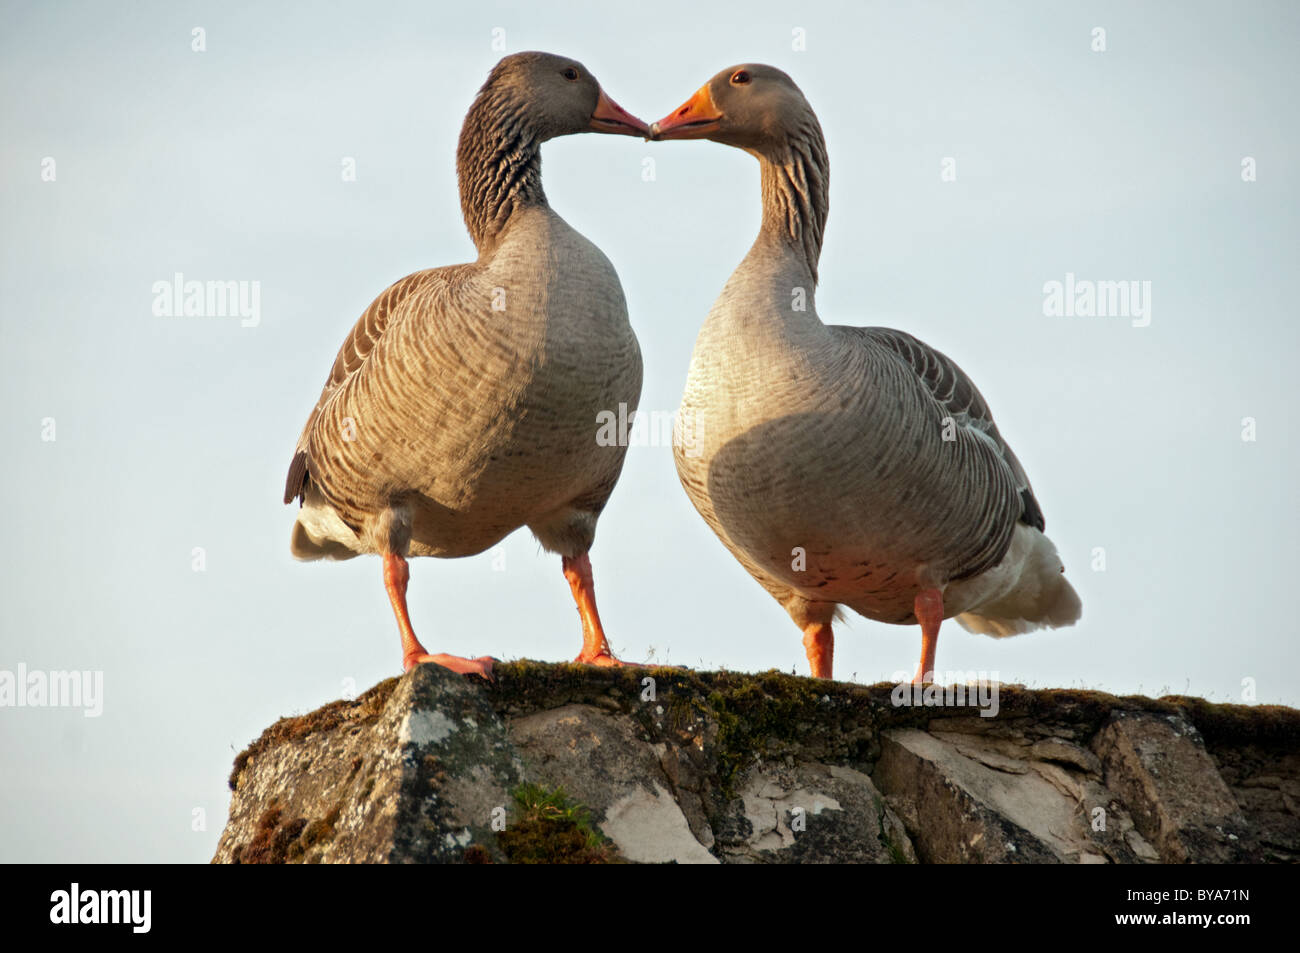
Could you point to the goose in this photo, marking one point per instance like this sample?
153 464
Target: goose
463 404
844 466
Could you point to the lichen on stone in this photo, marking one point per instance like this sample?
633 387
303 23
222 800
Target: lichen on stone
363 710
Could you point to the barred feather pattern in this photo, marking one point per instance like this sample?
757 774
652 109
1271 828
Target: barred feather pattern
844 465
498 162
796 192
465 401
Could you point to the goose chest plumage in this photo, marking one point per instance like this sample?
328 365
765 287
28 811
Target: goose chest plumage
845 466
463 405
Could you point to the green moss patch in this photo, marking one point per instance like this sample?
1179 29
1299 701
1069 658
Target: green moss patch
1221 723
549 827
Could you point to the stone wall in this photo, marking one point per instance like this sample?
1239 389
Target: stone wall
665 765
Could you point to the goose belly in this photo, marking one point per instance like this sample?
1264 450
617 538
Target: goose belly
794 540
474 453
534 453
828 505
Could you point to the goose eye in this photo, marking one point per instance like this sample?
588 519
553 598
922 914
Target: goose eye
570 74
740 77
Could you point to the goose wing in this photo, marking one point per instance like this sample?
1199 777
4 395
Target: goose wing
961 400
352 356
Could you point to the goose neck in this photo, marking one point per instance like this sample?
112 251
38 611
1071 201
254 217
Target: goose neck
498 167
795 191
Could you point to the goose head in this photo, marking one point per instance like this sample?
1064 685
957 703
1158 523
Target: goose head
751 106
558 96
759 109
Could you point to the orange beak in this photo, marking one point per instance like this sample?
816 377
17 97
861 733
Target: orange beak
612 118
693 119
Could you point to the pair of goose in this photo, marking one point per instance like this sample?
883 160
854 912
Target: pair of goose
840 465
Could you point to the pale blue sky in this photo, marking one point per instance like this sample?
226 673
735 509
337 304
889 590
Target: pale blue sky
175 433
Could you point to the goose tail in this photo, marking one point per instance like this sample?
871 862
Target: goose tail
1042 598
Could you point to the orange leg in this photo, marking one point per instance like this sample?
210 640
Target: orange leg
819 643
396 575
929 612
595 648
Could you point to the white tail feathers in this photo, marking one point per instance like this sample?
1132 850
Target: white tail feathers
1040 598
1026 609
318 533
1056 606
